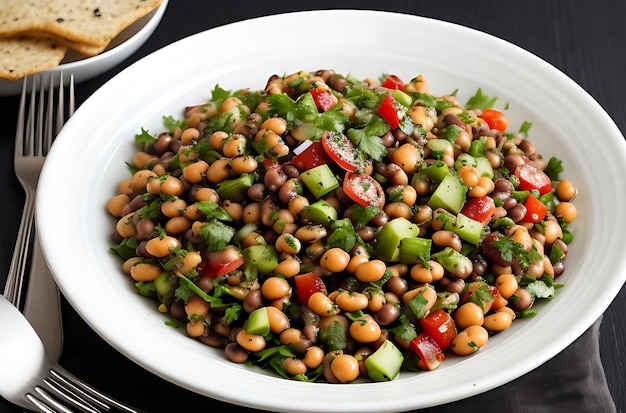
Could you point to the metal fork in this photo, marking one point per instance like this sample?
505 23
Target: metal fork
34 136
28 378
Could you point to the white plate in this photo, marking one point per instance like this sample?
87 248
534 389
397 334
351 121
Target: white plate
87 162
84 68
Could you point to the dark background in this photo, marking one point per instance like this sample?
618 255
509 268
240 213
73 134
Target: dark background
583 39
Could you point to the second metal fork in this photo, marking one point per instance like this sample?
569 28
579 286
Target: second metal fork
35 134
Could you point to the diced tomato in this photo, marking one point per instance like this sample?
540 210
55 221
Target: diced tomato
307 284
341 149
393 82
535 209
429 353
313 156
324 99
479 209
495 119
440 326
391 111
532 178
363 189
214 269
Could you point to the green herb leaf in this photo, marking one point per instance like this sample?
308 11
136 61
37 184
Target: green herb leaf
480 101
213 210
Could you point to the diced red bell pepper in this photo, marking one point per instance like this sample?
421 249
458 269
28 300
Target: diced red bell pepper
441 327
391 111
215 269
479 209
314 155
393 82
535 210
430 354
324 99
532 178
307 284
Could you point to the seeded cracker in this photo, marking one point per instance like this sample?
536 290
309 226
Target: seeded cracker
21 56
90 22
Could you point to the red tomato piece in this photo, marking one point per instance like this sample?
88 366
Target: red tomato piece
214 269
535 209
391 111
495 119
429 353
341 150
307 284
324 99
440 326
479 209
363 189
314 155
393 82
533 178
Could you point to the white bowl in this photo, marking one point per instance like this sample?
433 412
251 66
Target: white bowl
87 162
84 68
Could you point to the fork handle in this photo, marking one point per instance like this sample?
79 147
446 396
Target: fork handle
43 303
15 279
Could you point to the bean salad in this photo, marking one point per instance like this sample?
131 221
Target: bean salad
337 229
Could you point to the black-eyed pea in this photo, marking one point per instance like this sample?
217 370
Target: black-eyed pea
370 271
229 103
173 208
297 204
161 247
177 225
311 233
140 179
145 272
321 305
335 260
345 368
190 261
196 307
294 366
508 310
116 204
469 341
141 159
427 274
288 244
253 238
365 329
195 328
244 164
521 299
469 314
565 190
445 238
234 146
187 154
520 235
126 225
153 186
250 342
219 170
277 125
567 211
351 301
278 320
355 261
190 135
234 209
498 321
428 293
129 263
195 172
290 335
217 139
552 231
313 357
468 175
288 267
376 300
398 210
274 288
125 186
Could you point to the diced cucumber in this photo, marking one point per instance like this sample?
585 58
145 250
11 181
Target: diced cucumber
468 229
236 189
320 180
320 212
402 98
258 322
388 239
464 159
449 194
436 171
438 147
484 168
414 250
262 257
385 363
453 261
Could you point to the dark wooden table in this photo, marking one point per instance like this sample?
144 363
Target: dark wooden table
583 39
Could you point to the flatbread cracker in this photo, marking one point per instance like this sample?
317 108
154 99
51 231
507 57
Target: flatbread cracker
21 56
92 22
83 48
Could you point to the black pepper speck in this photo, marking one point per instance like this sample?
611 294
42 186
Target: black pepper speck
60 19
97 13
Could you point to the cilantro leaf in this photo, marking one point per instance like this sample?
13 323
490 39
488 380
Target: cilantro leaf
144 138
510 250
540 289
216 234
554 168
213 210
334 336
480 101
